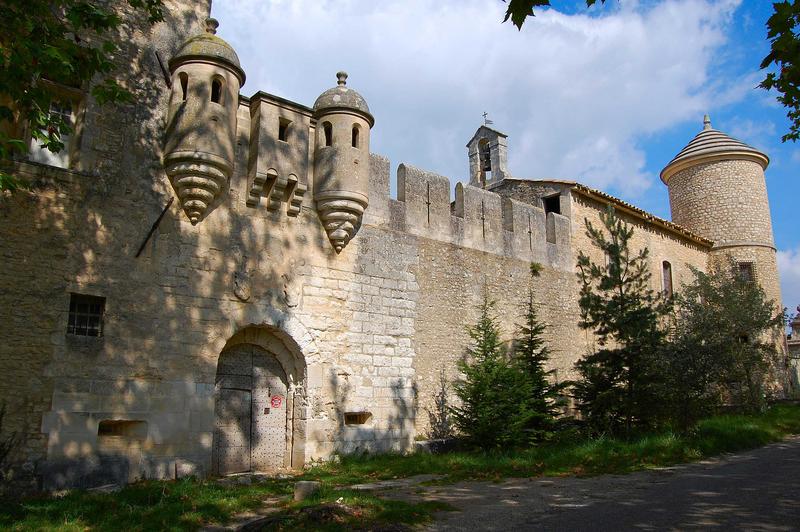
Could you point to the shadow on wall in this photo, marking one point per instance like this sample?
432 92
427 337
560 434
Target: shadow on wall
167 312
366 424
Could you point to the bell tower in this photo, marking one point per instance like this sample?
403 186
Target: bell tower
488 157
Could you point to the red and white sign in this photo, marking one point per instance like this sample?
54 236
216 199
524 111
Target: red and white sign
275 401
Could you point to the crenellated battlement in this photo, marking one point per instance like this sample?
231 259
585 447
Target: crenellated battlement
476 218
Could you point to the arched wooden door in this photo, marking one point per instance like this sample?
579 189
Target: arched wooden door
250 411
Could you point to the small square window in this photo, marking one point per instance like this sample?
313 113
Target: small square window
86 315
36 152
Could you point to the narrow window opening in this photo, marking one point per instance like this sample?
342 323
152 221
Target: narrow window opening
184 78
133 429
328 130
356 418
747 272
216 90
485 155
666 274
86 315
552 204
283 129
355 136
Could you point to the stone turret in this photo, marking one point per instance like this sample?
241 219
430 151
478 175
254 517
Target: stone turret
717 190
341 160
201 121
488 157
795 325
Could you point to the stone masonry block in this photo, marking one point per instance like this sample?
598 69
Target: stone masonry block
427 199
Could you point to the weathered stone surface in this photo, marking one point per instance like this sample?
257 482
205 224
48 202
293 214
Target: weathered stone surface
303 489
364 329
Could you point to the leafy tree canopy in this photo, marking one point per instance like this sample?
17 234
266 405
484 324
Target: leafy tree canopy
726 339
67 42
783 32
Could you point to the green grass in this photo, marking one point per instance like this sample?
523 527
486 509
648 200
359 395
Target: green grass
151 505
188 504
586 457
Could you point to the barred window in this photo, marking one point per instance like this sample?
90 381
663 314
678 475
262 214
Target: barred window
747 272
86 315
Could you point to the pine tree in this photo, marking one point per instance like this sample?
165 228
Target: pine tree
619 382
531 354
493 412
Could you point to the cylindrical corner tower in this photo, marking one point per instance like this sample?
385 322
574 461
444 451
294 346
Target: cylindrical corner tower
201 121
341 161
717 190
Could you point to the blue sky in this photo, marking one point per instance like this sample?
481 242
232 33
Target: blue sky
605 96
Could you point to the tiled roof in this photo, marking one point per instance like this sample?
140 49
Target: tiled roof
709 143
599 195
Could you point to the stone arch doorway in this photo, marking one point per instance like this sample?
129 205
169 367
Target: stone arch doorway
253 411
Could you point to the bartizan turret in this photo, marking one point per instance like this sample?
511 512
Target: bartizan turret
341 160
201 121
717 190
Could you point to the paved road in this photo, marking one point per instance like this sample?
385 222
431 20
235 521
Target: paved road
757 490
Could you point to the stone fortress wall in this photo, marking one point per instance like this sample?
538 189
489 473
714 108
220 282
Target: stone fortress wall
361 334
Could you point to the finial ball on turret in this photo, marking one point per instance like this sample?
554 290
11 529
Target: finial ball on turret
211 26
341 76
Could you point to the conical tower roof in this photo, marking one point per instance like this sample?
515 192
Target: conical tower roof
712 145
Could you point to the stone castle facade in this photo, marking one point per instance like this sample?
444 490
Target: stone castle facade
206 283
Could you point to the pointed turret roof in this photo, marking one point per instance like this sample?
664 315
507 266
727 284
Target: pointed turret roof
712 145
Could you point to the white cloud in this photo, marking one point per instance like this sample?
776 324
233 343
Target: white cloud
789 269
574 93
758 133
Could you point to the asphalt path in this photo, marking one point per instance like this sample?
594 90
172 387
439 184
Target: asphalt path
756 490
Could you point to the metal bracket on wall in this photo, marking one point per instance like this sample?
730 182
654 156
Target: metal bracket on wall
164 71
155 225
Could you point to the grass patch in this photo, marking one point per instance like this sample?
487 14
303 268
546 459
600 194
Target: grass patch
336 509
151 505
594 456
187 504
